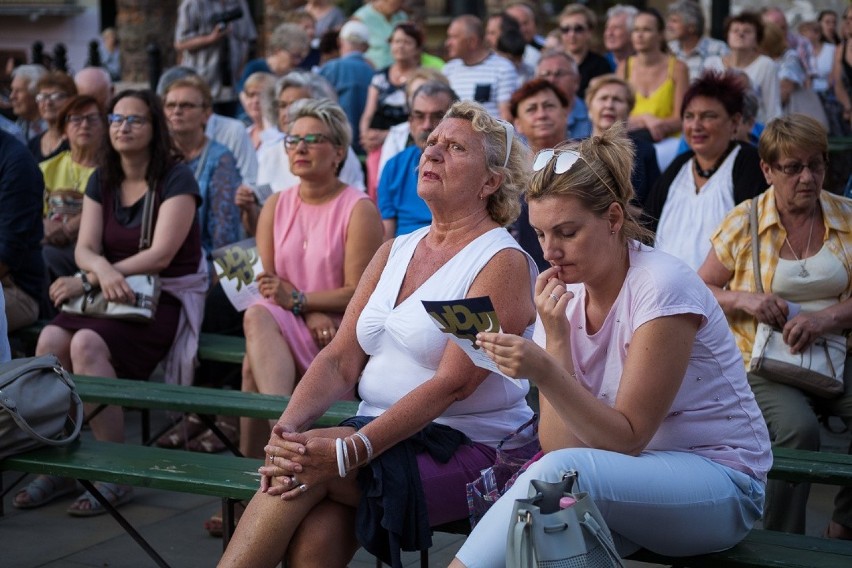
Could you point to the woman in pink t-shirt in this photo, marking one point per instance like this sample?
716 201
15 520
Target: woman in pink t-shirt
642 388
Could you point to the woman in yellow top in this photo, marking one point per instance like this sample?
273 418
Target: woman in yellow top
658 78
65 178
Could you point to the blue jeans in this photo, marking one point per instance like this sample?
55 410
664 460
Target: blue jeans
673 503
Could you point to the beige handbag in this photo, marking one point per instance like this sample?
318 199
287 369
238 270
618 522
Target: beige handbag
818 370
146 287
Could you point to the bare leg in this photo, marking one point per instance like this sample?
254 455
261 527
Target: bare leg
90 356
268 354
254 432
456 563
269 523
329 522
268 368
54 339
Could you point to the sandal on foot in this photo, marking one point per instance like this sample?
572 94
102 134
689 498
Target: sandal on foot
179 435
42 490
116 494
214 526
210 443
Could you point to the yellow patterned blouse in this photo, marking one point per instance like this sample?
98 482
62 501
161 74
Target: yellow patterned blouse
732 244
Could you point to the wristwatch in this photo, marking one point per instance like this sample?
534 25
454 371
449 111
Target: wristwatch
87 286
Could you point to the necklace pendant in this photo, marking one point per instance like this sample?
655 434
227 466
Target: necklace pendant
803 273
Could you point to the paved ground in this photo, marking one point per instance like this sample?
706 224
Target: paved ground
173 522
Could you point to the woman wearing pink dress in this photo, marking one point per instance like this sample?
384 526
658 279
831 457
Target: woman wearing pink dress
314 240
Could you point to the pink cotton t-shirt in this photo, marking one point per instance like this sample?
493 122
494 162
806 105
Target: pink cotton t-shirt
714 413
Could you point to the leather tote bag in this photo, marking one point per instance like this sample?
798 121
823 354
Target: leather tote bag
146 287
546 531
36 397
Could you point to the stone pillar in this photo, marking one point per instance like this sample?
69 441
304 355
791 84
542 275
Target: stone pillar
140 23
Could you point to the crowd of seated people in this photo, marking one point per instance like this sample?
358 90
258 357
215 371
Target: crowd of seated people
597 184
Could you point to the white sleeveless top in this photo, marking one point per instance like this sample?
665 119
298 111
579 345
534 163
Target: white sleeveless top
689 217
405 346
825 282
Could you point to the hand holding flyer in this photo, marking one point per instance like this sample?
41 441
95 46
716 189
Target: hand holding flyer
237 265
462 319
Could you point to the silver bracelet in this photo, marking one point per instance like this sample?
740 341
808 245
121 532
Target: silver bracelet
338 447
367 445
355 448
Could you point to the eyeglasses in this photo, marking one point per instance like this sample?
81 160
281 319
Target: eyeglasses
172 106
78 119
282 105
291 141
575 29
50 97
816 167
565 160
132 120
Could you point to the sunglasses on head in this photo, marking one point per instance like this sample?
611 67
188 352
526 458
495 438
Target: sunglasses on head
565 160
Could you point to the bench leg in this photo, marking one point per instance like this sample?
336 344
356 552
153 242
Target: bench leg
228 521
128 528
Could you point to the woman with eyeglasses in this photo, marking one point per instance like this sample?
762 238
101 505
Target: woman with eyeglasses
273 165
641 387
188 105
429 420
52 92
138 158
315 240
804 245
66 176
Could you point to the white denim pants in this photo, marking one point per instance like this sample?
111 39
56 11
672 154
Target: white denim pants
673 503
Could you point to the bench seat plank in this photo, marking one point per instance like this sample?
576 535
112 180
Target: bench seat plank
223 476
829 468
203 400
767 549
221 348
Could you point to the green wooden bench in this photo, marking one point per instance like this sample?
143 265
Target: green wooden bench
226 476
201 400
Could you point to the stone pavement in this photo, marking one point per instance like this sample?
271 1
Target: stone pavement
173 522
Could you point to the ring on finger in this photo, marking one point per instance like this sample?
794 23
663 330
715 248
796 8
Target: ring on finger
302 488
293 480
554 297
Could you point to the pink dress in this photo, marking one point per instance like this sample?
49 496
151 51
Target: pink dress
309 243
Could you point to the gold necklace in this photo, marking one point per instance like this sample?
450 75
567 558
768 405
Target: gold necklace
803 272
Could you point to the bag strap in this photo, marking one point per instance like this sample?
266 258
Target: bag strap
77 421
523 546
145 234
755 245
590 524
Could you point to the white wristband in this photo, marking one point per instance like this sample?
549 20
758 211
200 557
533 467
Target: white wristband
367 445
341 466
